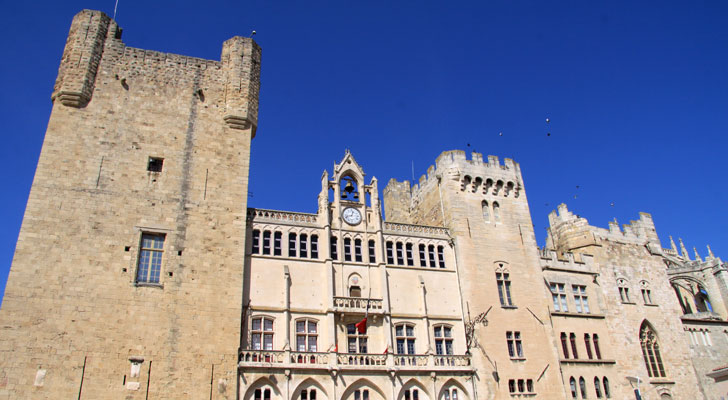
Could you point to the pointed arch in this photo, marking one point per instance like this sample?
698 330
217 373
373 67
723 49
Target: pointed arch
362 384
414 384
453 384
308 384
649 341
263 384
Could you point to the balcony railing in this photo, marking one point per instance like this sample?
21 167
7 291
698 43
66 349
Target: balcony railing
310 360
357 305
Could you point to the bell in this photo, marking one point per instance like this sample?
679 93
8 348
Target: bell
356 195
349 187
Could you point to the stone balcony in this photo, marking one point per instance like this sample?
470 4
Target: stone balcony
358 305
292 360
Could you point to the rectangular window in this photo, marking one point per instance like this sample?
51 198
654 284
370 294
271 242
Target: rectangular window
266 242
558 294
277 236
347 249
314 246
262 333
303 246
256 242
423 257
357 250
515 346
334 246
512 385
581 302
624 294
504 288
292 245
441 256
390 253
529 385
150 258
410 256
155 164
372 252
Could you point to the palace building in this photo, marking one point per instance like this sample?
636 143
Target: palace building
141 273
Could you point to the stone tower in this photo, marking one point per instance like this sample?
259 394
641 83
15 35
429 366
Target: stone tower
128 272
484 206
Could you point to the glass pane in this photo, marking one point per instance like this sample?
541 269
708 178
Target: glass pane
448 346
300 343
357 395
454 394
312 343
410 331
447 331
268 342
300 326
256 341
311 327
268 324
365 395
399 330
351 329
400 346
447 395
256 324
438 331
411 346
352 345
438 346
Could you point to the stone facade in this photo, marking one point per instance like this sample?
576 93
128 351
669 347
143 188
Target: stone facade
140 272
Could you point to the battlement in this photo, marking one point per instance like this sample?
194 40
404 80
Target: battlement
94 51
569 231
567 261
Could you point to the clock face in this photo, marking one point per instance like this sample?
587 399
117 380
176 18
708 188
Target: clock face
351 216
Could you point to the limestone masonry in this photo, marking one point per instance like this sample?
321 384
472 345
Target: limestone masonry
140 273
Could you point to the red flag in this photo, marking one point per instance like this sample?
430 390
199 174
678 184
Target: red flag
361 326
386 350
336 348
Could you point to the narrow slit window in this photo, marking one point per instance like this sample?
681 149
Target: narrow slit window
372 252
266 242
303 246
423 256
256 242
277 238
400 254
410 256
357 250
292 244
347 249
431 252
441 256
334 248
314 246
390 253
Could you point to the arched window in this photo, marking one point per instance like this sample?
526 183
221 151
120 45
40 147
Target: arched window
372 252
441 256
314 246
587 339
357 250
347 249
486 211
431 252
623 286
597 387
354 291
277 239
361 394
646 292
334 247
423 256
262 333
443 339
405 336
266 242
582 387
651 351
292 244
306 335
572 339
256 242
597 352
390 253
572 386
496 211
410 255
302 246
400 254
308 394
564 345
605 381
349 189
702 302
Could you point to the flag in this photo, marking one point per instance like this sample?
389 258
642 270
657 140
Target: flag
386 350
361 326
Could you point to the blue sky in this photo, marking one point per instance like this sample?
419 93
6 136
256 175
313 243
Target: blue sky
636 92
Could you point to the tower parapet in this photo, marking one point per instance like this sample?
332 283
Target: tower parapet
241 65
